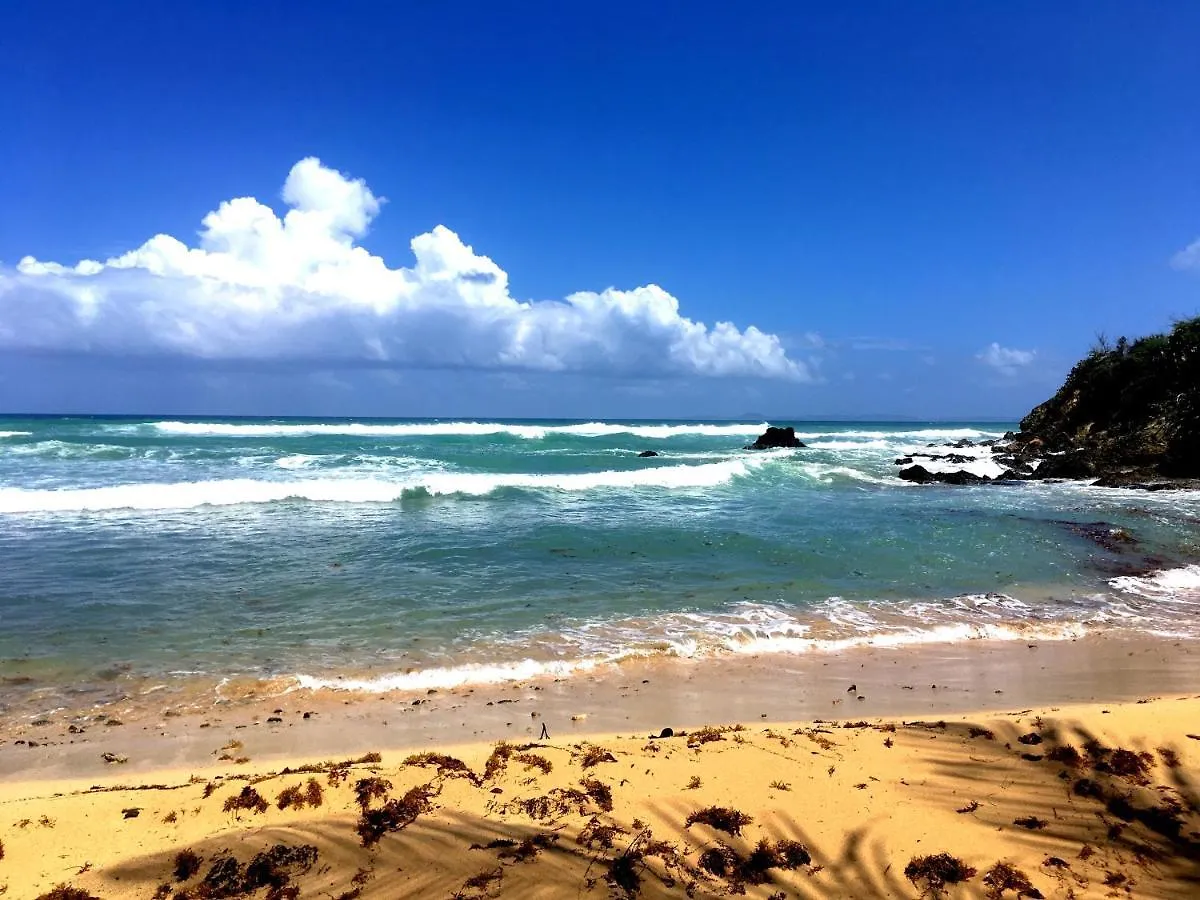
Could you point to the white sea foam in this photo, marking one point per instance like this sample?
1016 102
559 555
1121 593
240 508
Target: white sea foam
1181 584
185 495
442 429
828 473
454 676
748 629
905 637
298 461
8 434
928 435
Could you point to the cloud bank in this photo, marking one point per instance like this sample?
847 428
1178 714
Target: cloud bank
298 288
1004 360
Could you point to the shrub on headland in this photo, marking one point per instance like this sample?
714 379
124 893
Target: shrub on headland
1133 404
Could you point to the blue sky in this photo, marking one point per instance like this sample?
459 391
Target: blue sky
923 210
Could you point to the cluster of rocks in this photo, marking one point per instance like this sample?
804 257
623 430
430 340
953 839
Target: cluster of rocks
1021 456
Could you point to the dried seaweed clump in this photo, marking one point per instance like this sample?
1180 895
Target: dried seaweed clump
1067 756
249 799
498 761
298 796
786 854
559 802
273 869
597 834
482 882
66 892
1033 823
528 848
1127 764
535 761
447 766
600 793
368 789
187 864
591 755
932 873
624 872
1004 877
725 862
710 733
395 815
722 818
720 860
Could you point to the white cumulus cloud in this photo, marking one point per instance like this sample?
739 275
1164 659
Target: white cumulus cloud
260 287
1005 360
1188 257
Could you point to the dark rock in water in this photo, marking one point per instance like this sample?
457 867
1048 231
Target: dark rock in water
903 461
776 437
920 475
1067 465
647 453
1110 537
960 477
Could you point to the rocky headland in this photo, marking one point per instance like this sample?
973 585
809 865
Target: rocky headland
1128 415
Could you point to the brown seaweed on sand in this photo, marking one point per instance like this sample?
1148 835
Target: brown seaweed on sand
600 793
395 815
249 799
447 766
187 864
1004 877
722 818
933 873
67 892
371 788
591 755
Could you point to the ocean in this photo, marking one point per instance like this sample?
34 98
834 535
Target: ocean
175 555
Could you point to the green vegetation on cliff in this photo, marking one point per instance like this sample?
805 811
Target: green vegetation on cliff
1129 406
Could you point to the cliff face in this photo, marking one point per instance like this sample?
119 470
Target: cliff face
1127 410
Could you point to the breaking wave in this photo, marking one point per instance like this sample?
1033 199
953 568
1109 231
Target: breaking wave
446 429
227 492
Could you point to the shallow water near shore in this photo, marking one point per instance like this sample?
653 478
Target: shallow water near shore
179 557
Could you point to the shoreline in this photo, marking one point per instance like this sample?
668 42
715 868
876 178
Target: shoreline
643 696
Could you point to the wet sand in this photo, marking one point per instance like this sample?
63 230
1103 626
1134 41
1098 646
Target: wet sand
270 722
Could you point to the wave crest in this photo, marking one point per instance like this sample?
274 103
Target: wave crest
186 495
448 429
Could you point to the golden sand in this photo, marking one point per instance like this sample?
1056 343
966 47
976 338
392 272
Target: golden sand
1080 801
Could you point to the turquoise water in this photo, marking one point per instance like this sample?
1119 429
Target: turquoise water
420 554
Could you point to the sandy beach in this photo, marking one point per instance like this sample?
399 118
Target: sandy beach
1027 797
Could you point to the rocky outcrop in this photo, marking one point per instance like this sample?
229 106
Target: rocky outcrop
776 437
645 454
1128 413
920 475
